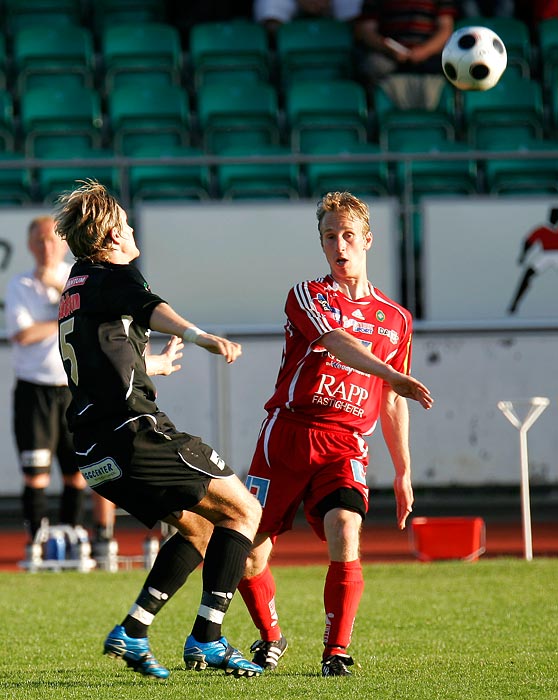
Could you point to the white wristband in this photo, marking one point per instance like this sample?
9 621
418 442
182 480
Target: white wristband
191 334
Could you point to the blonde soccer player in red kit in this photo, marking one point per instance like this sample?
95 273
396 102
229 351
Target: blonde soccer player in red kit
345 365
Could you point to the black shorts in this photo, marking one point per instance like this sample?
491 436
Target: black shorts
147 467
40 428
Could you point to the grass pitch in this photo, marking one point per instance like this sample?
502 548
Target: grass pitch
447 631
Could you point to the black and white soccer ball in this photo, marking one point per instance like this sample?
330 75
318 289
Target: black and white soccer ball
474 58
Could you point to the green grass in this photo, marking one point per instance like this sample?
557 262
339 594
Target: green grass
484 631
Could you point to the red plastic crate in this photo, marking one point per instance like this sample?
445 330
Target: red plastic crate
448 538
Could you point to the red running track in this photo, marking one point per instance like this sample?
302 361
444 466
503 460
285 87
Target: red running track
380 543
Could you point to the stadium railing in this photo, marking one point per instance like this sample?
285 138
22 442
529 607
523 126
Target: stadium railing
408 203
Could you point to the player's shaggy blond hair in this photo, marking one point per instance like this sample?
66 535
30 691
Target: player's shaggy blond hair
85 217
344 202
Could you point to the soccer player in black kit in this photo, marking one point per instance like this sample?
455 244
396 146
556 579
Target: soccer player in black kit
130 452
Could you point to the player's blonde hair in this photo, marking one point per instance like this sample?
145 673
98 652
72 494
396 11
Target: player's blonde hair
85 217
344 202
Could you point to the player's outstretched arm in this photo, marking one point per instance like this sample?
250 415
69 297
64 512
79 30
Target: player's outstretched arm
166 320
410 388
354 354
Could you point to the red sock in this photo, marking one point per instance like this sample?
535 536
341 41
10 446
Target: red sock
258 594
343 589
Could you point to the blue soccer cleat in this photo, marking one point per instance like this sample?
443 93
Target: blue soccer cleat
219 654
135 652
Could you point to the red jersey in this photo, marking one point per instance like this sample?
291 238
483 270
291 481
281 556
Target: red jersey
545 235
316 387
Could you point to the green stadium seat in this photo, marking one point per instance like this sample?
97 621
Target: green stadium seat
141 114
257 180
164 181
547 31
41 13
7 126
315 49
53 180
3 62
359 177
338 107
520 174
237 114
70 115
228 51
512 102
431 174
15 183
107 13
393 123
140 51
53 51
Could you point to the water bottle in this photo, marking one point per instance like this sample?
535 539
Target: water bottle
81 549
34 556
106 555
112 556
55 548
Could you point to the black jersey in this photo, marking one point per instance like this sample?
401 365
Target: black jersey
103 333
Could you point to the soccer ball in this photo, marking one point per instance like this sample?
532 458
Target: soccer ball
474 58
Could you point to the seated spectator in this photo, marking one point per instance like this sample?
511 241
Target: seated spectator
273 13
400 48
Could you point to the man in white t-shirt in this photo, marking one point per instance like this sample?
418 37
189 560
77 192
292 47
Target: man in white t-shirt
41 394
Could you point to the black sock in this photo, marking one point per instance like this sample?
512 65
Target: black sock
175 561
71 505
225 560
35 508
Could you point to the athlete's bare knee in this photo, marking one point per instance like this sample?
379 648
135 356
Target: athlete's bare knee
342 530
229 504
258 558
253 510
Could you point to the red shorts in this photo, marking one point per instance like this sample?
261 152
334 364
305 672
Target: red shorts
294 463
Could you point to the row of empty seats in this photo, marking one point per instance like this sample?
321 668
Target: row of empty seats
96 14
182 172
238 50
132 90
217 51
249 115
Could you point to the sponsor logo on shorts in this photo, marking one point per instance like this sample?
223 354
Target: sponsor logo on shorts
359 472
258 487
100 472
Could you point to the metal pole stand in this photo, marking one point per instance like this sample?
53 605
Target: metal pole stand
536 406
